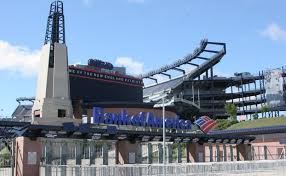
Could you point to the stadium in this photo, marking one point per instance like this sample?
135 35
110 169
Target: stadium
95 119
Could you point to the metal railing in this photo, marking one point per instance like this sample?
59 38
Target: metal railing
6 171
273 167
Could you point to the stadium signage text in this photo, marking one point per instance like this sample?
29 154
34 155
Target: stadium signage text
141 119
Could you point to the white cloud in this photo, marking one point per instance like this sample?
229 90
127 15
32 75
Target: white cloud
136 1
132 66
274 32
19 59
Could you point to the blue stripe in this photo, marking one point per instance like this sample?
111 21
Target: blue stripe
200 122
197 121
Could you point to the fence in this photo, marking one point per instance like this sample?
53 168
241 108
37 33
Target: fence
263 167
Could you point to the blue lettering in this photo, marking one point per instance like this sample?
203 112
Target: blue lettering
141 117
150 119
168 123
108 118
123 118
115 118
100 117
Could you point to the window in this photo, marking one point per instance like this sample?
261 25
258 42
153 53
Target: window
61 113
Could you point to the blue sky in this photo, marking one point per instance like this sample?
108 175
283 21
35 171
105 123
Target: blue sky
141 34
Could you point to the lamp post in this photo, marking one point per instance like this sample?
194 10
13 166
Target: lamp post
164 135
162 97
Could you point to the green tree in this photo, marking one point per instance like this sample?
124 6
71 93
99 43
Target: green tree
231 110
4 157
264 110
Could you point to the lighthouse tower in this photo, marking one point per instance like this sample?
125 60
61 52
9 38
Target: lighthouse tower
53 91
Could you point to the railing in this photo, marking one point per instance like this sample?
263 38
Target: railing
6 171
273 167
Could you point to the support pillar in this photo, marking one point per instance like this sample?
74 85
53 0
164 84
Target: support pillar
224 153
150 153
27 156
231 152
211 152
64 155
237 154
128 153
48 155
170 153
244 152
179 157
217 153
92 151
265 152
78 156
105 153
139 153
160 151
195 152
78 153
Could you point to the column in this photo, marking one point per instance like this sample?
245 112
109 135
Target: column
217 153
237 153
211 152
170 153
231 152
160 151
63 151
224 153
92 156
78 156
265 152
138 153
150 153
105 153
92 148
179 157
48 156
27 156
78 152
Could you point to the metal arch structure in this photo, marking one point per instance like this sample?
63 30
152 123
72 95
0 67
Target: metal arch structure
188 60
55 31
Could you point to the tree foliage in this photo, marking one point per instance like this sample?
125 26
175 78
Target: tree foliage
264 109
231 110
222 124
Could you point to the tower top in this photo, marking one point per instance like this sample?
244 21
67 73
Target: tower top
55 32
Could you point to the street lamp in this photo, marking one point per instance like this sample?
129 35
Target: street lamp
162 97
164 133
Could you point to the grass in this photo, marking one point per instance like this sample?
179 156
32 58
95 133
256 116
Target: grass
259 123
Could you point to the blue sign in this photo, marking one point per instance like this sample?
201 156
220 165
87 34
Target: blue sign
141 119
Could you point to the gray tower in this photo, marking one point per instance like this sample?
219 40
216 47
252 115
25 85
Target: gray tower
53 101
